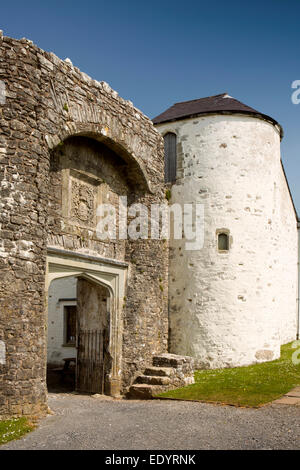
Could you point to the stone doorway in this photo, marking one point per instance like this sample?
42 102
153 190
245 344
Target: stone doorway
93 363
98 291
78 356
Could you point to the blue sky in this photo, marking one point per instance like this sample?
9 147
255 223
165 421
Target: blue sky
160 52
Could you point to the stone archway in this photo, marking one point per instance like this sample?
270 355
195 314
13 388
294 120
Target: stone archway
112 275
58 101
113 142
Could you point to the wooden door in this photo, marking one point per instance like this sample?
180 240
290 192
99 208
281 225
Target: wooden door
92 331
90 361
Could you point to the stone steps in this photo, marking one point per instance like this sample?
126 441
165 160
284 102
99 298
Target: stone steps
170 360
168 371
144 391
153 380
159 371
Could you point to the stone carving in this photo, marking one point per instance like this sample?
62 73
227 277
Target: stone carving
83 198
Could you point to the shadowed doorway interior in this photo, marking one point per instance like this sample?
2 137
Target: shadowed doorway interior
93 361
78 336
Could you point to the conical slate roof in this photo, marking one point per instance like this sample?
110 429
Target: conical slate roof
218 104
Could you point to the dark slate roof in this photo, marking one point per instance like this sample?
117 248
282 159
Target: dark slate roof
218 104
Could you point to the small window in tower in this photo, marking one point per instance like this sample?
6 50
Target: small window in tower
170 157
223 241
70 324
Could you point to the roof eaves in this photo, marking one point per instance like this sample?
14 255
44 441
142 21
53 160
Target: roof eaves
265 117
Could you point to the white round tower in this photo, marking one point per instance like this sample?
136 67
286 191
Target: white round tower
233 301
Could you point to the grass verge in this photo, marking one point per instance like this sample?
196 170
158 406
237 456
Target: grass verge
252 386
14 429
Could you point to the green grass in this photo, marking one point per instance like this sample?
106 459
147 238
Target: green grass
14 429
253 386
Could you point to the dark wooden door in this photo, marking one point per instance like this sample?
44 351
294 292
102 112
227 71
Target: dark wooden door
90 361
92 327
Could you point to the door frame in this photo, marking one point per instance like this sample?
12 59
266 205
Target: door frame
107 272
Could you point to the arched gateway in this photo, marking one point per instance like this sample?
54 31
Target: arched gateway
68 144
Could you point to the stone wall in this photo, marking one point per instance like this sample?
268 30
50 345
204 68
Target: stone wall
49 102
237 307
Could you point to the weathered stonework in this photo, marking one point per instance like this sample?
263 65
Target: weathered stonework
168 371
66 142
83 202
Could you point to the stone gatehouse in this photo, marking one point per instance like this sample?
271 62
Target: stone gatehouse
69 144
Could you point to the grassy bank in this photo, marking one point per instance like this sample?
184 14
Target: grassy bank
14 429
254 385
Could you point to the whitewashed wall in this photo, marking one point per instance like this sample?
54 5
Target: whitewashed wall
235 308
59 289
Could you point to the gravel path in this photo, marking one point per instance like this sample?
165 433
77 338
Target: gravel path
83 422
